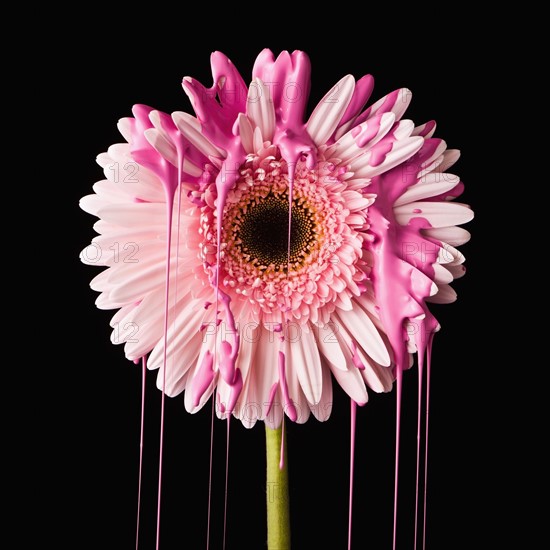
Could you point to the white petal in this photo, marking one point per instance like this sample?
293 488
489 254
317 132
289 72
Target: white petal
137 283
450 255
125 128
168 151
446 295
362 329
438 214
100 282
135 214
323 408
325 118
456 271
455 236
377 378
354 143
179 364
263 374
246 133
257 139
260 110
186 327
148 320
190 127
125 240
441 275
141 326
93 204
403 129
432 163
352 383
426 130
395 102
401 151
367 302
162 145
355 201
330 346
449 158
296 393
307 364
431 185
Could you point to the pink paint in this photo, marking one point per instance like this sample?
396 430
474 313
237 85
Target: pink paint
290 409
288 78
379 152
271 400
141 434
398 394
402 282
217 119
418 434
202 379
210 471
235 391
226 482
428 376
282 452
367 131
361 93
429 127
387 105
355 356
170 176
353 418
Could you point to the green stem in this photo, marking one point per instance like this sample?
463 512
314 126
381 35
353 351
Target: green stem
278 512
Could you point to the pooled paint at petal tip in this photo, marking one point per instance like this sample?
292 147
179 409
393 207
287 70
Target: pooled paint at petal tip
290 409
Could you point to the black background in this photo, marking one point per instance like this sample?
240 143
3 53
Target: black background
97 413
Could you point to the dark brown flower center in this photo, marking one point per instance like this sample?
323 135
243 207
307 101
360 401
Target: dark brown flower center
262 232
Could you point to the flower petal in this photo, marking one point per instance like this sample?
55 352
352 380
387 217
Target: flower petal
445 295
259 108
431 185
246 133
455 236
307 363
326 116
439 214
329 346
362 329
352 383
190 127
361 138
322 409
400 151
395 102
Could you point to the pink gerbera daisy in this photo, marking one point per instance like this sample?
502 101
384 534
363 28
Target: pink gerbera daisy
298 251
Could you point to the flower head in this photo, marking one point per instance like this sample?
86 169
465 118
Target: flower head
261 255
